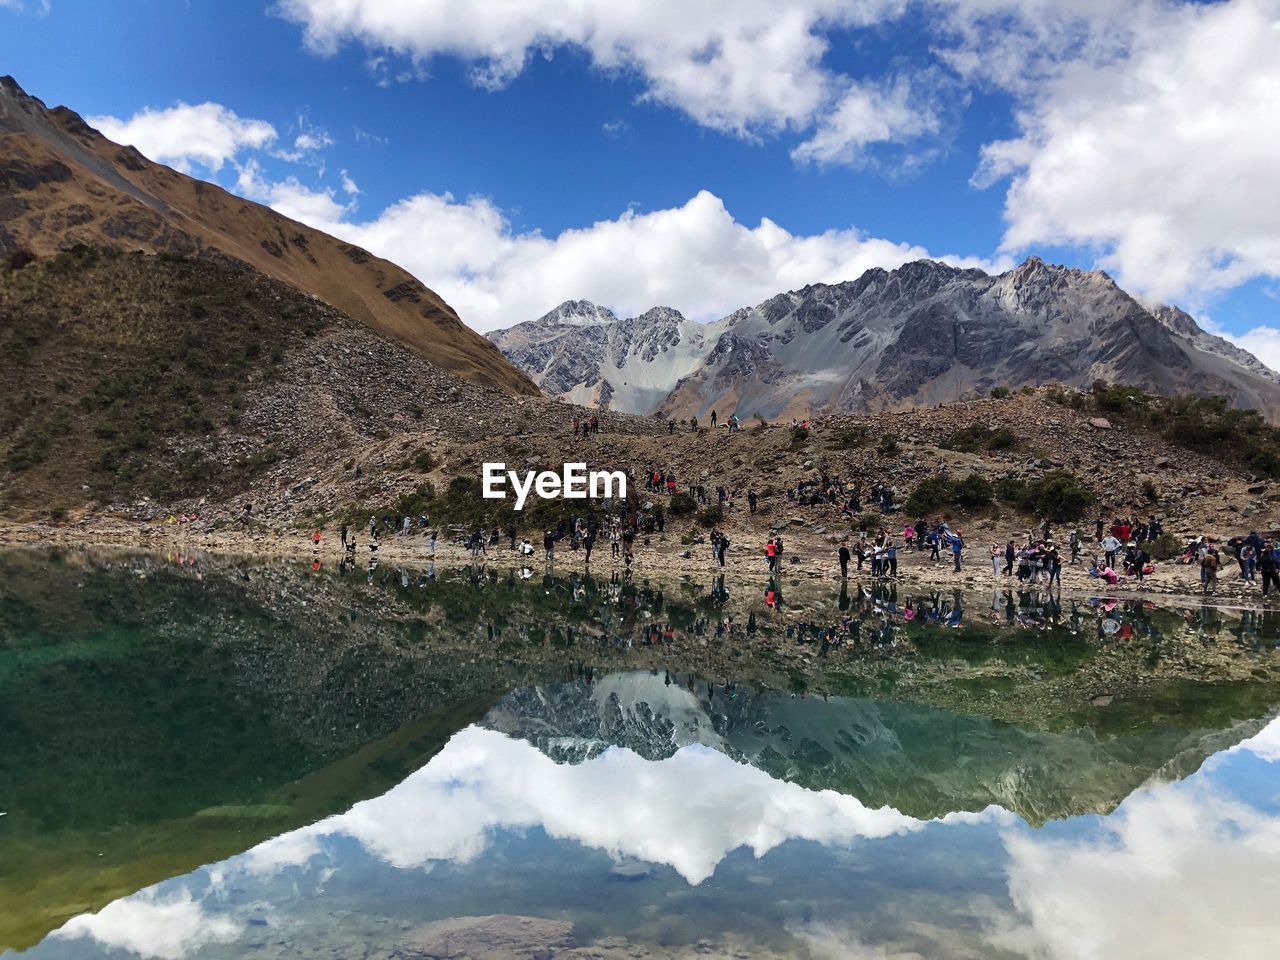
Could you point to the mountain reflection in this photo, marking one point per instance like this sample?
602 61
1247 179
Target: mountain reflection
1179 869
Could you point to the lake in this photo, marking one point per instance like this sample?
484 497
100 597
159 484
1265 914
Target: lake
213 757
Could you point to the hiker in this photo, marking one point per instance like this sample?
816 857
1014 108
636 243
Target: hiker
549 545
724 548
1110 547
1269 566
431 545
956 541
1209 570
771 553
1073 542
342 535
713 419
752 500
997 553
1053 563
1010 558
843 554
588 542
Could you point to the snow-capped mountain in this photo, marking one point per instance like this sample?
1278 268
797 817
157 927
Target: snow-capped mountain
919 335
585 354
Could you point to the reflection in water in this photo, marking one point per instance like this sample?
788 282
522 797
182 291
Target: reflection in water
660 761
1180 869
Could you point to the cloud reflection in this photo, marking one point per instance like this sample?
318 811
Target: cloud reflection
146 924
687 812
1179 870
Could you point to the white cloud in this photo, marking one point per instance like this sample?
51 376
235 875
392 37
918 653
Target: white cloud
207 134
1178 871
695 257
349 186
866 113
145 924
749 68
1164 158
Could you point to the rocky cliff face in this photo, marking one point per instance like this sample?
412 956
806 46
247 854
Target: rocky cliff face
585 354
920 335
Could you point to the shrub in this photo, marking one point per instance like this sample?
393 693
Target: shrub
999 393
974 490
888 444
711 516
682 504
850 438
939 490
869 522
1058 496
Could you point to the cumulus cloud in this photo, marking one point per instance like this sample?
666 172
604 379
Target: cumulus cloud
696 257
151 926
1164 158
894 111
1178 871
749 68
207 135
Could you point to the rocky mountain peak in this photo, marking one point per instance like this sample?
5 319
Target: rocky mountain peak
577 313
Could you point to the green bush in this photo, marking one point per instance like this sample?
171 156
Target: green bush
888 444
939 490
682 504
1058 496
711 516
999 393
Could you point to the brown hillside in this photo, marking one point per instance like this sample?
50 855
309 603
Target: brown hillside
62 183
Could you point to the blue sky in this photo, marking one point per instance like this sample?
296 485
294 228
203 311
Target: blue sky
509 193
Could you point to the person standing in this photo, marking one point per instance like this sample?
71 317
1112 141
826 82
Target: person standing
996 554
843 554
752 500
713 419
957 548
1110 546
724 548
1269 566
1010 558
1209 570
1073 542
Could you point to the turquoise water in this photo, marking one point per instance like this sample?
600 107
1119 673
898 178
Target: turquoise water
208 758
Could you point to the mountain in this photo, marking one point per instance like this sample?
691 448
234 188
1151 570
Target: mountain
923 334
584 354
62 183
917 759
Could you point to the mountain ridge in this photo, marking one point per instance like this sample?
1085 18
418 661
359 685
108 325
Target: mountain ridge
63 184
921 334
